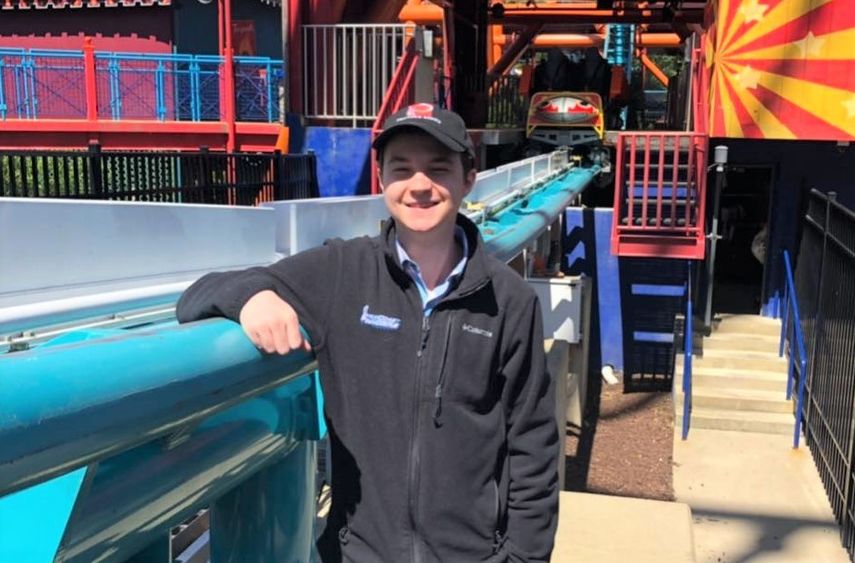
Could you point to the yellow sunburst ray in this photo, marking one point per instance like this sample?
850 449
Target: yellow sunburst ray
832 105
711 101
732 128
781 14
726 29
831 46
766 121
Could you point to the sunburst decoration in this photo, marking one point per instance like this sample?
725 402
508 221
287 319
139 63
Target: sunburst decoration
783 69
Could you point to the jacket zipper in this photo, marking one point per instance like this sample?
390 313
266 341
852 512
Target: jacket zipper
414 445
437 393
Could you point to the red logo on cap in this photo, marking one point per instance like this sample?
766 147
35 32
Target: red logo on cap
420 110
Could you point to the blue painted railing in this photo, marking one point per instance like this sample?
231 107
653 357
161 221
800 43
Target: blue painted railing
50 84
119 435
688 349
792 332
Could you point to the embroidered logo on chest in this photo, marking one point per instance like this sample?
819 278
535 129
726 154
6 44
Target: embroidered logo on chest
475 330
380 322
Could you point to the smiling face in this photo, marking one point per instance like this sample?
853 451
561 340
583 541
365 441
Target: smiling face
423 184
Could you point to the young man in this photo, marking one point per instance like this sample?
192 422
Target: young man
441 416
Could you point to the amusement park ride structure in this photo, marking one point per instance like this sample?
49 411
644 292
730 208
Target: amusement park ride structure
119 425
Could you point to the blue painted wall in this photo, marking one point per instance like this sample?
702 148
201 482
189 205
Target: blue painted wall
798 167
196 26
343 158
634 303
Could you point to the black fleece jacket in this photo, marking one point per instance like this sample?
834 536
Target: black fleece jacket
443 435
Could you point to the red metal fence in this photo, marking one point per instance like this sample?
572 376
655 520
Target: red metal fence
401 93
660 191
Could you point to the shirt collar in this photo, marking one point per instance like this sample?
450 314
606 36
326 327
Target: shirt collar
411 266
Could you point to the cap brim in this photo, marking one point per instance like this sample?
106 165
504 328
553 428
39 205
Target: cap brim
426 126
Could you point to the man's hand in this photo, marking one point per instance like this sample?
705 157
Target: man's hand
272 324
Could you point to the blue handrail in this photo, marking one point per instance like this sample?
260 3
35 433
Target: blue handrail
792 302
687 357
39 83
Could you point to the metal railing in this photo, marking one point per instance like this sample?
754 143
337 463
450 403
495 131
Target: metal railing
401 92
825 285
660 186
175 177
348 67
195 417
507 107
792 334
43 84
688 350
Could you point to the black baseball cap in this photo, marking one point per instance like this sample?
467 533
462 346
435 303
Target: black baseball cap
443 125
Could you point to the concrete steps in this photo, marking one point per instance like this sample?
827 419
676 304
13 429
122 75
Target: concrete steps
712 377
739 383
737 358
739 421
747 324
737 399
746 342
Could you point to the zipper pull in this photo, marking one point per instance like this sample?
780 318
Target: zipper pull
437 411
425 333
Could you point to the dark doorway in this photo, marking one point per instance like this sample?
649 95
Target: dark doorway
744 228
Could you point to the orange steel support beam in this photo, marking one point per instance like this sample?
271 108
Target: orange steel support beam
545 40
431 14
229 113
420 14
654 69
90 82
513 52
495 40
548 13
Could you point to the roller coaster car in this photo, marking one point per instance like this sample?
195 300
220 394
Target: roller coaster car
567 119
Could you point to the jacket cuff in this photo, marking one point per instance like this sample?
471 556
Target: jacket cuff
233 307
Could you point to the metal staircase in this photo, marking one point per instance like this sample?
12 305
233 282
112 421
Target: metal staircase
660 190
619 48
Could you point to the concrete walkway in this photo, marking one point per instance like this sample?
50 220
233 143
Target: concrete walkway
754 499
605 529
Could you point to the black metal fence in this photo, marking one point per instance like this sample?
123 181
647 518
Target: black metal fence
506 106
174 177
825 285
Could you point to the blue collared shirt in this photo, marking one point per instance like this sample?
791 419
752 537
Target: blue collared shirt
430 297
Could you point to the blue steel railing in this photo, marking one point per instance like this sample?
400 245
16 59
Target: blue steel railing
40 84
141 415
791 330
688 349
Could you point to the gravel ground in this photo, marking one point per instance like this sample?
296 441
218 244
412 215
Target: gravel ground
625 445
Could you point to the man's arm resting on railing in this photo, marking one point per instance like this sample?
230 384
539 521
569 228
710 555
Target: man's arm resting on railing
269 302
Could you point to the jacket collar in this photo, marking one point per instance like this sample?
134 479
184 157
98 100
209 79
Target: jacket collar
474 275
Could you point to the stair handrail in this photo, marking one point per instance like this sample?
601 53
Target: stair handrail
688 349
791 301
400 92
